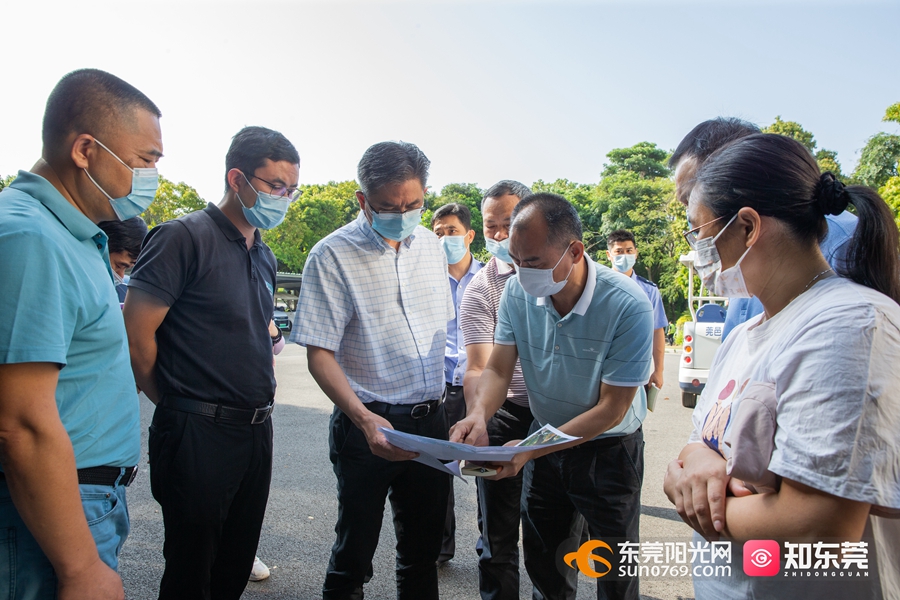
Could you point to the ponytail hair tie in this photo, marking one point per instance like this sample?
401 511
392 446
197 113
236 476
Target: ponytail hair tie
831 195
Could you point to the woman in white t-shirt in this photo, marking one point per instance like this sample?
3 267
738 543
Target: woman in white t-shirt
822 360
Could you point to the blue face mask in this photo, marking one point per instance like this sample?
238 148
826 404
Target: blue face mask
499 249
396 226
144 183
454 247
623 262
268 212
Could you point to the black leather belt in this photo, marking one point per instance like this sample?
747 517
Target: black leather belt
103 476
252 416
416 411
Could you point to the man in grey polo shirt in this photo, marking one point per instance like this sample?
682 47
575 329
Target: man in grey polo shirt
583 335
373 314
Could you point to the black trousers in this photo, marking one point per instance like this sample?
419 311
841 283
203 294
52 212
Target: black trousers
455 411
599 480
499 504
418 496
212 482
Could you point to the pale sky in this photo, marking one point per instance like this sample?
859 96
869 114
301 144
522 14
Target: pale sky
488 90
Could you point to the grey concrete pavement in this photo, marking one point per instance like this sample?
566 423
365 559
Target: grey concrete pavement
299 527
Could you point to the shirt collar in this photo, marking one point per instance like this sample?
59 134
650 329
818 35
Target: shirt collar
474 267
502 267
71 218
231 232
584 302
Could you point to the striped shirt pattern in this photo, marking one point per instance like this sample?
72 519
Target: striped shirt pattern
382 312
478 317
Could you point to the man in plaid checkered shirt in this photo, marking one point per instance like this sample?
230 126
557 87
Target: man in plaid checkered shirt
373 314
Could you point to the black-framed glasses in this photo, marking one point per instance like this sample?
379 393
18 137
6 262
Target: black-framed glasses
280 190
690 236
394 212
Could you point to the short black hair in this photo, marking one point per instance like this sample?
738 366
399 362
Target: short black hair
506 187
125 236
454 209
391 162
563 223
709 136
89 101
618 236
251 146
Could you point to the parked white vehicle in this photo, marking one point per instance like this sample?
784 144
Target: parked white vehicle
702 336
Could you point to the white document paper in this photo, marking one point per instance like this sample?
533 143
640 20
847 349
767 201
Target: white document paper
432 451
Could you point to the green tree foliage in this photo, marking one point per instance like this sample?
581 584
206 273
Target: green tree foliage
468 194
583 197
172 200
892 113
792 129
637 193
321 209
5 181
878 161
827 159
890 191
645 159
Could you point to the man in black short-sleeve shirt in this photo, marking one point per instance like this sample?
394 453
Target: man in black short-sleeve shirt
198 309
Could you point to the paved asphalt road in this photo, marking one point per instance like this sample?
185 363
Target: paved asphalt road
299 527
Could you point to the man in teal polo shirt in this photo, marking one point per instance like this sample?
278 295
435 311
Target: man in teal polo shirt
69 416
583 336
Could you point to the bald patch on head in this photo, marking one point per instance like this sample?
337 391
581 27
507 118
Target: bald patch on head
524 220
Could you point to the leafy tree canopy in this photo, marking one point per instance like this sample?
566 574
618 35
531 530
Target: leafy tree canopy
468 194
794 130
645 159
878 161
172 200
892 113
321 209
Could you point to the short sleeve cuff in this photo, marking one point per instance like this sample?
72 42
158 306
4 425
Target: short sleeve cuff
152 289
841 486
34 354
504 342
625 383
317 341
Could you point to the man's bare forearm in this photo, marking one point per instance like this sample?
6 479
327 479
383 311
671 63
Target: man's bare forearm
659 350
39 465
609 411
331 379
143 364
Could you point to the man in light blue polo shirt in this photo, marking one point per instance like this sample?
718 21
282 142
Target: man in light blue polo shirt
583 336
69 417
622 253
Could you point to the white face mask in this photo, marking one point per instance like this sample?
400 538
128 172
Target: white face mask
539 282
730 282
623 262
